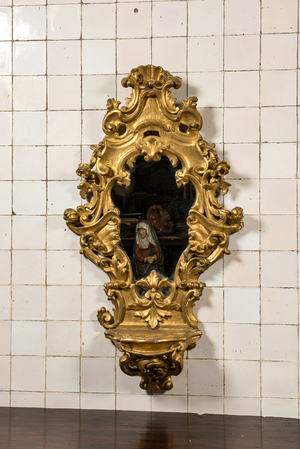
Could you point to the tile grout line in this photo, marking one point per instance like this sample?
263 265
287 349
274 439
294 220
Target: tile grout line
46 217
104 110
12 206
81 255
259 210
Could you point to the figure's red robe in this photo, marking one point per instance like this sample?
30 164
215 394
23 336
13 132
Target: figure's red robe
142 253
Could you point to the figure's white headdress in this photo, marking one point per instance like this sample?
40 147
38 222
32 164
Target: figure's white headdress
143 243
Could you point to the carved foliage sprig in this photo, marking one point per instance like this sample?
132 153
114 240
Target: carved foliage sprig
190 266
114 294
193 293
212 180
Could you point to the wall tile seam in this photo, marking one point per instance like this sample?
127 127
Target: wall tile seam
144 394
258 69
259 203
158 36
66 75
62 356
297 193
12 208
231 323
80 202
50 320
96 3
24 111
223 150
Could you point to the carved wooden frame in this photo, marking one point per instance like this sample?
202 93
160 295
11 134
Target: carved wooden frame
153 331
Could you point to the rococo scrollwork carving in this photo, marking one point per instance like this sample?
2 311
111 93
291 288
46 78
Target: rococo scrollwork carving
153 321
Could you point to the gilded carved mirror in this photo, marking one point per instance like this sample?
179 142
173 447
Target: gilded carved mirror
153 223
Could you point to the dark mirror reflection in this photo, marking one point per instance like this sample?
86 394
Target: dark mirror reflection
153 211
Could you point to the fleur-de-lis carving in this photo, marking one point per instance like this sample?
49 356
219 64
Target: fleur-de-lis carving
153 308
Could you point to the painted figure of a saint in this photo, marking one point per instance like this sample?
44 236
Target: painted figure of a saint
147 252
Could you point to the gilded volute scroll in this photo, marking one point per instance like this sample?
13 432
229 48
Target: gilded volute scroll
151 220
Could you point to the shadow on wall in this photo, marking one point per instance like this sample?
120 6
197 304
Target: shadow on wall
205 362
211 122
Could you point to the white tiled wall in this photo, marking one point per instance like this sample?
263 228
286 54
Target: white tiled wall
59 62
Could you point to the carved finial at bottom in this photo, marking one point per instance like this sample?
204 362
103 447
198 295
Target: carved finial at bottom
155 372
155 369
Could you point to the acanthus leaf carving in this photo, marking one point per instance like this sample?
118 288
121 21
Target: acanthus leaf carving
112 104
113 293
193 293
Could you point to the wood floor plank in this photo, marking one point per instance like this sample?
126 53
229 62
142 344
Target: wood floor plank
29 428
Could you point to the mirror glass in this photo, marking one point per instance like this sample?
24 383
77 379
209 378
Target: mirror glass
153 212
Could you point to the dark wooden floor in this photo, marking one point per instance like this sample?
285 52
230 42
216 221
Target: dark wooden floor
91 429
